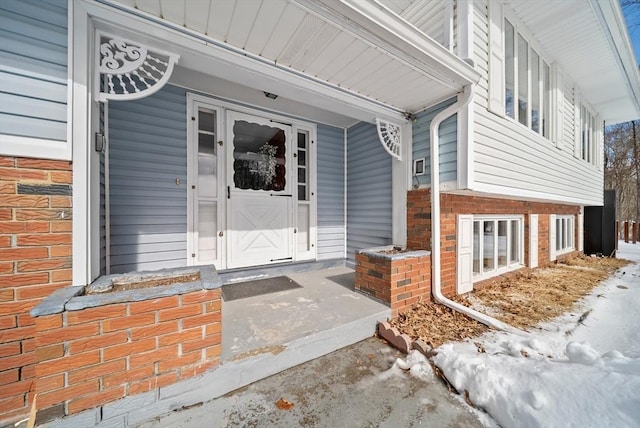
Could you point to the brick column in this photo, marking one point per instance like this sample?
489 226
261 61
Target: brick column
35 260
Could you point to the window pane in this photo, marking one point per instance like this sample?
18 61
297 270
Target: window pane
302 175
258 157
206 144
564 234
302 157
207 231
207 177
558 233
509 72
207 121
523 80
546 96
535 91
502 243
515 241
476 247
302 140
302 193
488 262
583 127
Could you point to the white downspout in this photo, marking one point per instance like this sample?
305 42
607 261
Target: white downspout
462 102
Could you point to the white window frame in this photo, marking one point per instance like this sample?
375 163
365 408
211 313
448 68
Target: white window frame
565 239
511 266
588 140
545 100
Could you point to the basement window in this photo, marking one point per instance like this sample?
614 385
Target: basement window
497 245
564 234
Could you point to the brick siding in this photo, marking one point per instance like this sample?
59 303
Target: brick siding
92 356
419 225
35 260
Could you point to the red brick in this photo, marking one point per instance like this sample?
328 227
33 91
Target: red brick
153 305
156 382
67 363
61 226
61 251
7 187
14 361
213 328
128 376
23 254
61 395
213 306
38 291
67 334
97 313
97 342
9 390
9 376
200 320
6 294
44 239
180 312
18 333
14 403
159 329
25 201
45 353
24 226
8 349
200 297
178 362
128 322
49 383
13 174
61 275
43 164
199 344
96 371
213 353
18 280
126 349
60 201
181 336
26 214
94 400
6 214
48 322
61 177
150 358
45 264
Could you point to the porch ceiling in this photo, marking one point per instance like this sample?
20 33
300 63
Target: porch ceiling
366 50
589 39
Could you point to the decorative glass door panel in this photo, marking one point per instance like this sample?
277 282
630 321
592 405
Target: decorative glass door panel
260 203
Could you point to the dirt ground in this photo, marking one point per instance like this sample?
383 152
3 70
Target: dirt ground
522 300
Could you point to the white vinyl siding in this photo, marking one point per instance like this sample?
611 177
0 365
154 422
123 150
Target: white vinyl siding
512 160
33 77
369 200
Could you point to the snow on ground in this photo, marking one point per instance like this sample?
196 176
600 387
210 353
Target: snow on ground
580 370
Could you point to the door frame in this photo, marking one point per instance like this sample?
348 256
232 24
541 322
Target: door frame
297 125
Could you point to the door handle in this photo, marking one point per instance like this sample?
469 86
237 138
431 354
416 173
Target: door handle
228 192
282 196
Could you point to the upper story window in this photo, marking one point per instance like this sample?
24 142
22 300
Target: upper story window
526 82
588 135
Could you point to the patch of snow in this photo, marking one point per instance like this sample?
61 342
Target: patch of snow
580 370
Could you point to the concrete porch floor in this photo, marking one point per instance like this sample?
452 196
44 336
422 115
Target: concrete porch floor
326 301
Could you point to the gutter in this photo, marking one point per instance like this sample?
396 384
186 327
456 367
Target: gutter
436 291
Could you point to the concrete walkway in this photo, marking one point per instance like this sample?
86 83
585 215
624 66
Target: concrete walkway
351 387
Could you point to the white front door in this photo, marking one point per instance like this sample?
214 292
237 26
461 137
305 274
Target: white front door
259 191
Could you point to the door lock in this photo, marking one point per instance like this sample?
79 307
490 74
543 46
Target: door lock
221 234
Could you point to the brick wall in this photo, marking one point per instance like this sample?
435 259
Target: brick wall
419 225
399 280
35 260
96 355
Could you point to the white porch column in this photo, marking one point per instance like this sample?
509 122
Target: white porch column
401 182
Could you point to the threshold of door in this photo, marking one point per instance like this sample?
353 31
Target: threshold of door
230 276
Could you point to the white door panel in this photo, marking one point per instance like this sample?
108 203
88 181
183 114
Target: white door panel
464 238
533 240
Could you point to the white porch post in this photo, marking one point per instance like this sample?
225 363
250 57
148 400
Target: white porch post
401 182
81 155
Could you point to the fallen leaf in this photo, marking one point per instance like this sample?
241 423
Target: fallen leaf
283 404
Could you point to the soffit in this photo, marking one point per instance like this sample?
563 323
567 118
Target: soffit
590 42
292 34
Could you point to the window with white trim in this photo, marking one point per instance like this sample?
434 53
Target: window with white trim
497 245
588 135
527 97
565 234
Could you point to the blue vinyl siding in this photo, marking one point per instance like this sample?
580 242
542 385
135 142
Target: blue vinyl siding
33 68
147 152
331 209
448 143
369 200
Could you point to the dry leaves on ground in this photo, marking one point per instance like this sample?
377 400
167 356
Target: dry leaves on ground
523 300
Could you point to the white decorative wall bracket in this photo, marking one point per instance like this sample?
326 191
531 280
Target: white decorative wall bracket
390 135
128 70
